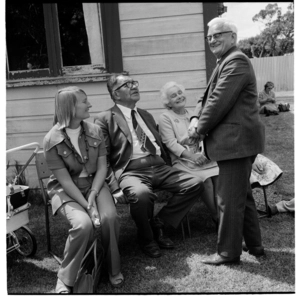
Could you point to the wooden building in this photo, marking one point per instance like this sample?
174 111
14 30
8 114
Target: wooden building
153 42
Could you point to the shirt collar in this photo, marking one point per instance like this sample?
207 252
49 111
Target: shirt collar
126 111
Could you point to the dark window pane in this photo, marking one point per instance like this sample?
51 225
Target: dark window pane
73 36
25 36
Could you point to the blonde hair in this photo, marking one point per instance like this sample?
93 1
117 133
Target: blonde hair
164 92
65 105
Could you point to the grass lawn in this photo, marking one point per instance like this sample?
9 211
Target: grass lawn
180 270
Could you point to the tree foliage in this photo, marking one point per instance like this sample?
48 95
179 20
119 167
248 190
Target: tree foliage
278 36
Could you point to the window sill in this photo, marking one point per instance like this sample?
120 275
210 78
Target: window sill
57 80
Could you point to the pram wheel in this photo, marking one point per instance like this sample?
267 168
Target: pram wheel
26 239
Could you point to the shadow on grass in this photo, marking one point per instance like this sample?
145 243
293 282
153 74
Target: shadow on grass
24 274
177 271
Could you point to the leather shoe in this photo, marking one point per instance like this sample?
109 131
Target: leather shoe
221 260
256 251
156 223
151 249
163 241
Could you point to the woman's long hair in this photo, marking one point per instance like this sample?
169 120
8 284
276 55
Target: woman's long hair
65 104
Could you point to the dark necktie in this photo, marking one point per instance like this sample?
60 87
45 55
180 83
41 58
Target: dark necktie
141 135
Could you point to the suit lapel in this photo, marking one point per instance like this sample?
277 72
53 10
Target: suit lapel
121 122
212 78
149 124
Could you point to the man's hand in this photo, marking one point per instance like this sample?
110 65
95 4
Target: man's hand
192 128
120 197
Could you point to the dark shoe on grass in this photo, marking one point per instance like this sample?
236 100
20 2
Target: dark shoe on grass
274 210
151 249
255 251
162 241
218 259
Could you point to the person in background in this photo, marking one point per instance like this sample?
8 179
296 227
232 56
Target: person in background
75 153
267 100
227 119
137 166
266 172
283 206
185 155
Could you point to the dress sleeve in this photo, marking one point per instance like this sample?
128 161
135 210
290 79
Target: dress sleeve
168 136
54 161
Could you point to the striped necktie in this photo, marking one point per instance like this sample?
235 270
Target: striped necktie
147 145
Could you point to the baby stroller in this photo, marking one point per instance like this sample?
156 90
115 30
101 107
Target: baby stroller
18 236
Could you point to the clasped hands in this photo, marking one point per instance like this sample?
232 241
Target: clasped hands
198 158
92 210
192 131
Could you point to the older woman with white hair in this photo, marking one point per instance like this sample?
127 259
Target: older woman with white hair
75 153
186 154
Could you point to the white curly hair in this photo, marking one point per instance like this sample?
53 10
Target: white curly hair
224 23
164 92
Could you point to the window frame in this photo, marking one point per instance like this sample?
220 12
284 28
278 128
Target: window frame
56 72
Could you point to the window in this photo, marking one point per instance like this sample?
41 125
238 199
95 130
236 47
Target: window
61 40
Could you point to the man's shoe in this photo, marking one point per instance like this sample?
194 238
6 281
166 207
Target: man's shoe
156 222
151 249
221 260
157 225
257 251
163 241
274 210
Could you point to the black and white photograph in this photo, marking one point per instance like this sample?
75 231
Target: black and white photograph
149 148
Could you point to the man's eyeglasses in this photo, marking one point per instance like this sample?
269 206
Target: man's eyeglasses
128 84
215 36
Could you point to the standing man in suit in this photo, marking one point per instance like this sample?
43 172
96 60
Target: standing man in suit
136 166
227 116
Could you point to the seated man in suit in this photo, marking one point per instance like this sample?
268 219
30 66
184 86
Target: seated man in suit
136 166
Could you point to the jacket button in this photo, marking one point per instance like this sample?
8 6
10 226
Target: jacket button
65 152
95 143
91 175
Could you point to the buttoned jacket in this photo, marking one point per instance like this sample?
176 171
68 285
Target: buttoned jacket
118 141
228 112
59 154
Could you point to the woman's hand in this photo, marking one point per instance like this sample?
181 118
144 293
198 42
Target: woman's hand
92 209
198 159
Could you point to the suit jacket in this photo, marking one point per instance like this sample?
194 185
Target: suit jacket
119 141
228 113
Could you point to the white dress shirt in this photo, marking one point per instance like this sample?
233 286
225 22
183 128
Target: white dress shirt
137 151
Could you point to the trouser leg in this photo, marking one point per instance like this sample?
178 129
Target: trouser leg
138 190
209 198
109 230
236 207
186 190
251 229
80 234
